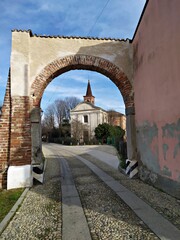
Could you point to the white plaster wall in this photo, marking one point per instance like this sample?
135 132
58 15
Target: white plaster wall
45 50
31 54
19 176
20 64
95 116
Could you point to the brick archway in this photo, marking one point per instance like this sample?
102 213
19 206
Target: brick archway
98 64
85 62
32 69
19 146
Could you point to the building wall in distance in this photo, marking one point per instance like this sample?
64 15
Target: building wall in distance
117 119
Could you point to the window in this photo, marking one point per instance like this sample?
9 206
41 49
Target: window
85 118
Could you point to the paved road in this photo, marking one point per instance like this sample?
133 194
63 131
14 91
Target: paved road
85 197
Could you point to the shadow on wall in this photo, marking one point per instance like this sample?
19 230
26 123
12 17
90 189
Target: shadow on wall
112 59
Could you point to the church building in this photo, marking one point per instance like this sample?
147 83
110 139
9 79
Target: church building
85 117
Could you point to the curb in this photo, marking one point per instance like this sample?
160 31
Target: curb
13 210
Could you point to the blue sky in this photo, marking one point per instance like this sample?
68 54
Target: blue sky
96 18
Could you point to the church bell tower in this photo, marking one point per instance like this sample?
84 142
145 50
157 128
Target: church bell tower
89 97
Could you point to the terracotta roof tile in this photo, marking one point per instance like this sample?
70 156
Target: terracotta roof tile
71 37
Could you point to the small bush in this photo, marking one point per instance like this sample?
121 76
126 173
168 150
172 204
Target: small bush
122 161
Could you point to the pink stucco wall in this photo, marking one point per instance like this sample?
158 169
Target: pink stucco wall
157 87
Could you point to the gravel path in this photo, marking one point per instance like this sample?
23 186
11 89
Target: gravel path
39 217
163 203
108 217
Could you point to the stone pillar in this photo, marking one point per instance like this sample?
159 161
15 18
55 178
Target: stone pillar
36 138
131 133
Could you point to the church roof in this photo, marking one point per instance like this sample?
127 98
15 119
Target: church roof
89 91
92 107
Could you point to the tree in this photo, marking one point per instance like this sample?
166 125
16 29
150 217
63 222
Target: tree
66 129
102 131
105 130
56 115
77 129
116 131
48 121
49 118
59 111
71 102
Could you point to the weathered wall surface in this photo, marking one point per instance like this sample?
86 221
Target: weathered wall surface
31 54
157 93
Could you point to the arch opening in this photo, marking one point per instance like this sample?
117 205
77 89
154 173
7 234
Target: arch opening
21 160
82 62
92 63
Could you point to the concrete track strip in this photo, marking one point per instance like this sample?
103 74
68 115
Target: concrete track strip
75 226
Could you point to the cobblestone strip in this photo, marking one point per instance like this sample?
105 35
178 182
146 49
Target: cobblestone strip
107 215
39 216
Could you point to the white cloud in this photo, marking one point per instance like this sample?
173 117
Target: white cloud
62 90
78 77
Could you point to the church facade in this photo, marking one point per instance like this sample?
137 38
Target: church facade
85 117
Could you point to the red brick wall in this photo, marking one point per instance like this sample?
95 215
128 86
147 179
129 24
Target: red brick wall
20 132
5 128
97 64
5 135
15 133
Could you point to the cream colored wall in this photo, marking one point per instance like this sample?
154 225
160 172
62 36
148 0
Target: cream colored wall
20 66
30 55
95 116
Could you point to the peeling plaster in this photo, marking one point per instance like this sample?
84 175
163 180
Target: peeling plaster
147 135
165 149
171 131
177 147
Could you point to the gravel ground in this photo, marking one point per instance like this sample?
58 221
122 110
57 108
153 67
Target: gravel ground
39 216
108 217
163 203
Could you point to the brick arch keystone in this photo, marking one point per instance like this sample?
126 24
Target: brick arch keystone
85 62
